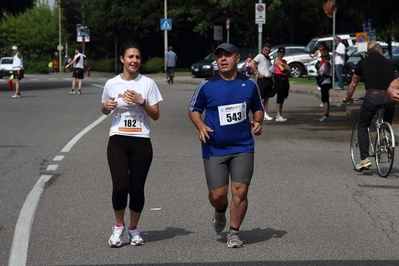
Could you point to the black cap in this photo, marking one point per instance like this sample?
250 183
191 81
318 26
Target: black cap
228 47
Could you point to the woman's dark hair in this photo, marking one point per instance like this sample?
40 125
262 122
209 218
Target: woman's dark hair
281 49
128 45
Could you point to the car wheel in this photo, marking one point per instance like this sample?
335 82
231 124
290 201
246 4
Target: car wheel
296 70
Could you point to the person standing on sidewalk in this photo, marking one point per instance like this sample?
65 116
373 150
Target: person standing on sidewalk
79 62
134 99
339 60
264 77
325 83
226 136
17 70
170 64
282 84
377 73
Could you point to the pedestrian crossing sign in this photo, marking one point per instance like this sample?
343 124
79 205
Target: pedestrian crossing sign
166 24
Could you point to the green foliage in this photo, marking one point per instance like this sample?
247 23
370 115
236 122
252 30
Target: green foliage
14 7
153 65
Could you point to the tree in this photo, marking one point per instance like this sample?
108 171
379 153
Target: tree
36 35
14 7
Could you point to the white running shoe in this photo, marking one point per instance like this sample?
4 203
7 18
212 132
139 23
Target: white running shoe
321 105
281 119
134 237
116 238
268 118
72 92
16 96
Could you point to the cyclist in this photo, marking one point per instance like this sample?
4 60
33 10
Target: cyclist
377 73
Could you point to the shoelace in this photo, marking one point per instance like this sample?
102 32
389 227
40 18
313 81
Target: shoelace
117 232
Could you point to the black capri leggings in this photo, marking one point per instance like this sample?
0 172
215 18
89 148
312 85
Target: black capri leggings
282 87
129 160
325 96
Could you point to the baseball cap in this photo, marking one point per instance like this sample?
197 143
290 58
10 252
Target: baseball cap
228 47
14 48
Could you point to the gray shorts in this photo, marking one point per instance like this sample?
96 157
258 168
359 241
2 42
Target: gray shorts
239 166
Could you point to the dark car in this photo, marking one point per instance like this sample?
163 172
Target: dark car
204 68
395 59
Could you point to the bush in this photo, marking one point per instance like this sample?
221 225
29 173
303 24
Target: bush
153 65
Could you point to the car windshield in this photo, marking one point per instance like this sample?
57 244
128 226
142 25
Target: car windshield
310 46
6 61
210 56
395 53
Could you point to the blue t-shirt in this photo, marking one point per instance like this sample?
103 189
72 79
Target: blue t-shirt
227 105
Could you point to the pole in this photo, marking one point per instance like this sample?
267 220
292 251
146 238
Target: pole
59 35
333 64
166 32
260 27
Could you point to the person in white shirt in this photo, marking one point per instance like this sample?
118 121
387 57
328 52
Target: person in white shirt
260 66
134 100
79 62
18 71
339 60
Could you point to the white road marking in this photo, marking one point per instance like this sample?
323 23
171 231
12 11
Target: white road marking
20 242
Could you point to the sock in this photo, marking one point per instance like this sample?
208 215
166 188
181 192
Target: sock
132 227
223 210
118 225
234 229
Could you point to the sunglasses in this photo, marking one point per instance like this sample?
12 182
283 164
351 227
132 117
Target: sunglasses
281 51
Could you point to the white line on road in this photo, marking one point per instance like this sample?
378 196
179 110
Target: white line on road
20 242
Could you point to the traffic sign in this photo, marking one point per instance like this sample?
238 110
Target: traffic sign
260 13
166 24
361 37
217 33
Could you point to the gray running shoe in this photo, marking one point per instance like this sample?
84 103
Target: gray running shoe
233 241
116 238
219 222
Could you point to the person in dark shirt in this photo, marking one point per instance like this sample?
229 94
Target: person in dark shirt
377 73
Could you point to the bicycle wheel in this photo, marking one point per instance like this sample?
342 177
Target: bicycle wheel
385 150
354 150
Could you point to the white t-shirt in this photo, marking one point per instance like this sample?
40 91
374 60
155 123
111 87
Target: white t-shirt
263 65
338 59
131 119
79 63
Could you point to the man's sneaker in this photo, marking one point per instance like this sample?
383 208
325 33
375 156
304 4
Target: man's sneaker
325 119
366 163
79 92
266 117
116 238
233 241
72 92
219 222
339 88
134 237
321 105
16 96
281 119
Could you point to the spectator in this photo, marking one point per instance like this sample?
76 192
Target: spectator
339 60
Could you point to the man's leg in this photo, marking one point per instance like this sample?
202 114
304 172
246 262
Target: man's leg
365 117
17 87
239 204
218 197
73 83
79 84
339 76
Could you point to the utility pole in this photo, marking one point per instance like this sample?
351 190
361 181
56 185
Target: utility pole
165 31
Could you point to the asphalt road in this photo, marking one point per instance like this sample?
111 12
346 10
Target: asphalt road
307 206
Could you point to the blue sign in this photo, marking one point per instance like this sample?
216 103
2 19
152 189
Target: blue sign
166 24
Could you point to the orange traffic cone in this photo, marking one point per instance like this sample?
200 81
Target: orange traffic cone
10 82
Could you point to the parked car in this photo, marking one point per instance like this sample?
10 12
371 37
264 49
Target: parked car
395 59
204 68
6 66
294 56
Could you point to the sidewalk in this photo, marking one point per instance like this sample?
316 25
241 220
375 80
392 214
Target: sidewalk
336 95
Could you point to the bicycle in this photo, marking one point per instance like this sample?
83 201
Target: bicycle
383 147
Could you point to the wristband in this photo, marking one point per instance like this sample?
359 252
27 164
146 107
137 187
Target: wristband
143 103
